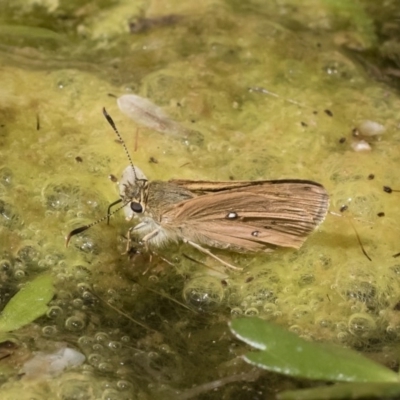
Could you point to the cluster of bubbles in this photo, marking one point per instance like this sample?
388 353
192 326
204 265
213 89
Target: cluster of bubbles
359 308
126 355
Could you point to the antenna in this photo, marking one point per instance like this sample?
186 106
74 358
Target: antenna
85 227
111 122
109 213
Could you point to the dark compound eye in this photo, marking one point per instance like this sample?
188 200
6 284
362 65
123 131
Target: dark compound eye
136 207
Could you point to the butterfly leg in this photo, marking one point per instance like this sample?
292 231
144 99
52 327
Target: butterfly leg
208 252
128 241
145 238
149 236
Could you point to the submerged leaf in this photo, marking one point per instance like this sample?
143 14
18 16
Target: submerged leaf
285 353
28 304
146 113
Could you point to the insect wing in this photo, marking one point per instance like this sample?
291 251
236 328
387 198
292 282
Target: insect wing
254 216
203 187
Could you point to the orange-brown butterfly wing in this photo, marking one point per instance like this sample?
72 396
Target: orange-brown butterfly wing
249 216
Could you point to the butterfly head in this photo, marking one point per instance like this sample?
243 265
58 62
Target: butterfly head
133 189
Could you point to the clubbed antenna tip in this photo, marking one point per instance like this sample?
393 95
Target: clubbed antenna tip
111 122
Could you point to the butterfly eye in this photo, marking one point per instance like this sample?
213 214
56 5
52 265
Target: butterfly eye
136 207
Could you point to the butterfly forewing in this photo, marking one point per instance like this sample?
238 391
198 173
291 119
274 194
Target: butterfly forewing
249 216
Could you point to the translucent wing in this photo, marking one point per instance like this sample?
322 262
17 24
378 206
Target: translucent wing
249 216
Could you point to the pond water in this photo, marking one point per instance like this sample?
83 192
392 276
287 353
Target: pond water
277 90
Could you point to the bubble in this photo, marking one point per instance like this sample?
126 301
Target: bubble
306 279
54 312
64 295
87 244
251 312
5 265
7 215
342 336
53 258
153 355
88 297
95 359
125 339
83 287
300 312
49 330
6 176
341 326
85 341
114 345
101 337
62 278
115 302
77 303
29 254
204 293
19 274
105 367
98 347
236 311
393 331
325 323
233 298
42 264
82 272
269 308
296 329
261 289
361 291
153 278
50 214
60 197
361 325
75 323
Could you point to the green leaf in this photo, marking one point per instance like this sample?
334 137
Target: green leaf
28 304
285 353
344 391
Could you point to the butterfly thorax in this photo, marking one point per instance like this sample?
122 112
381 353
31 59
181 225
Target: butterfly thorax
154 197
162 195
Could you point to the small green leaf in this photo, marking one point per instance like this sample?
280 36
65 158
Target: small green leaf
28 304
345 391
285 353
